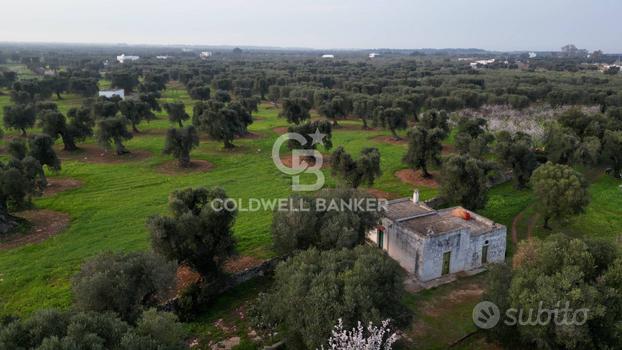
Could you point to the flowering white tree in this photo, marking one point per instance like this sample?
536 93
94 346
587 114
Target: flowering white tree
377 337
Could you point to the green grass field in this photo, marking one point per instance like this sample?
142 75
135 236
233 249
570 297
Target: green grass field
109 211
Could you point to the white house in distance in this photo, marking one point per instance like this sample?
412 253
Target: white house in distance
476 64
205 54
111 93
374 55
124 58
432 243
328 55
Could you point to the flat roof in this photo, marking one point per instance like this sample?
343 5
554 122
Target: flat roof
425 221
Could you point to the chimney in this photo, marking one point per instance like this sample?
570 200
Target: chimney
416 196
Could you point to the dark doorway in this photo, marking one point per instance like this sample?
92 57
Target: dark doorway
446 263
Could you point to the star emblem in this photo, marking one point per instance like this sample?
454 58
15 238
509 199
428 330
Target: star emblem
317 137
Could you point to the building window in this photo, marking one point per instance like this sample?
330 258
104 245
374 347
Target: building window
380 238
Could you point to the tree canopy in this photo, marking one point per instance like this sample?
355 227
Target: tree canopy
560 191
362 284
179 143
199 232
364 170
320 227
553 274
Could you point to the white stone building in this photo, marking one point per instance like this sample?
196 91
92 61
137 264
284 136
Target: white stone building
432 243
124 58
110 93
328 56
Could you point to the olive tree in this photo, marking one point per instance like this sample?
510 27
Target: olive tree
424 146
38 147
294 230
113 130
472 137
136 111
124 283
295 110
464 181
612 151
560 191
393 119
562 273
179 143
307 130
77 126
176 112
365 169
362 284
199 232
65 330
20 179
19 117
222 121
516 151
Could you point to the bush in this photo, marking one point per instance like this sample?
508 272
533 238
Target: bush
58 330
294 230
123 283
314 289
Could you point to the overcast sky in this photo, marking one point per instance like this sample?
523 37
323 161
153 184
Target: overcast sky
487 24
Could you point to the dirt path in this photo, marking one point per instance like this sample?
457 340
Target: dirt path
514 229
532 224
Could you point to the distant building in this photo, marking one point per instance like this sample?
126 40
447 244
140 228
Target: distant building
480 63
124 58
533 55
432 243
162 57
111 93
328 56
205 54
374 55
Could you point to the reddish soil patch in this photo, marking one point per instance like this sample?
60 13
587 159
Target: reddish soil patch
288 161
58 185
415 178
390 139
355 127
171 167
448 149
241 263
186 276
45 224
382 194
93 154
280 130
250 136
152 132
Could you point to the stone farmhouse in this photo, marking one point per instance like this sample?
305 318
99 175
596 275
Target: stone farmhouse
431 243
111 93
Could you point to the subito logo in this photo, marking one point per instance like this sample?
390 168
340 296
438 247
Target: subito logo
299 165
486 315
